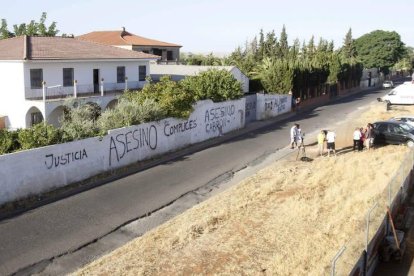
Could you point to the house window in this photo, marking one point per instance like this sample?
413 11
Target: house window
157 52
67 76
142 72
120 74
36 78
169 55
36 118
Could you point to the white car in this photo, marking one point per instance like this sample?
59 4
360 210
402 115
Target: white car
402 94
387 84
409 119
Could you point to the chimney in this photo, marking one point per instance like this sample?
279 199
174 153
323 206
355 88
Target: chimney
123 29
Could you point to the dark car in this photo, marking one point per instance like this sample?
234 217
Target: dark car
393 132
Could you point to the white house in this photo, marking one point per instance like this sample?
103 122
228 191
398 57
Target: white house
168 52
38 73
179 72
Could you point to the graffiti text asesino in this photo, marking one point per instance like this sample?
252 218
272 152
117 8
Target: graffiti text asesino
217 118
123 143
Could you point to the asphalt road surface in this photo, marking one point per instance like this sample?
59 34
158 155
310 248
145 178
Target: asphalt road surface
68 224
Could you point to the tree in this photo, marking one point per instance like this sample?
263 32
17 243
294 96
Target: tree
276 75
334 68
243 60
283 42
33 28
311 47
271 45
4 32
19 29
261 47
331 47
294 50
349 52
380 49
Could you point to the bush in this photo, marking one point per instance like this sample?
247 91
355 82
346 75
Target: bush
39 135
172 98
79 123
217 85
8 141
128 113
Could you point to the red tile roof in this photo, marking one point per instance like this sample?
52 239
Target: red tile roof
119 38
12 48
59 48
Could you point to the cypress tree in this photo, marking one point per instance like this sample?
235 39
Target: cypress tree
283 43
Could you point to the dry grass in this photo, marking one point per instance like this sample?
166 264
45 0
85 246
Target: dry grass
288 219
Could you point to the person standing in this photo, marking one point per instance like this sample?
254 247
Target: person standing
330 140
297 103
369 136
362 140
321 140
357 138
299 137
293 135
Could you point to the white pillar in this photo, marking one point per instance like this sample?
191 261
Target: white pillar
126 83
75 89
44 91
102 87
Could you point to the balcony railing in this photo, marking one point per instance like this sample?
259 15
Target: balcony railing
78 90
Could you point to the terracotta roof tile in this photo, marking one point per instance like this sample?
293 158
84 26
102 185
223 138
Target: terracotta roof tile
123 38
12 48
58 48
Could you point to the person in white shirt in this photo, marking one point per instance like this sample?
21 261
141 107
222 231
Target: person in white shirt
293 136
330 141
299 137
357 139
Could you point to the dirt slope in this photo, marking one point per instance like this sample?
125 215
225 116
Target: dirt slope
288 219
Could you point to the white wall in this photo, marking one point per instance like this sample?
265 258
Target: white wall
12 92
251 104
39 170
270 106
365 73
238 75
43 169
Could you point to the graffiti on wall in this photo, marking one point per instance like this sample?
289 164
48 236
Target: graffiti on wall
123 143
250 108
217 118
170 130
54 161
276 104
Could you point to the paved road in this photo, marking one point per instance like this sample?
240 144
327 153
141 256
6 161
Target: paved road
71 223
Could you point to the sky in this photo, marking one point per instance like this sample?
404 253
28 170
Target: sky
219 26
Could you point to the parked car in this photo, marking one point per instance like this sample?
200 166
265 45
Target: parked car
393 132
387 84
402 94
409 119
